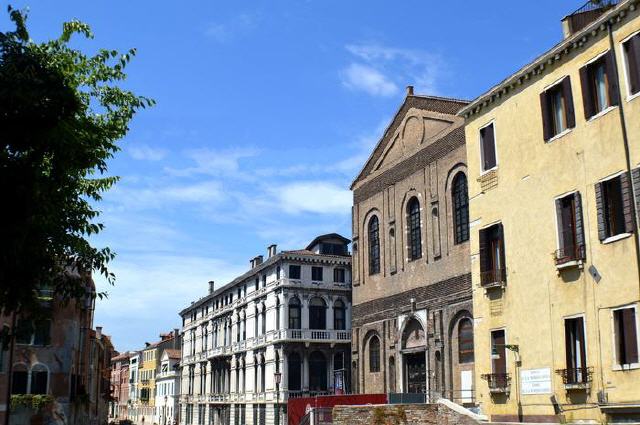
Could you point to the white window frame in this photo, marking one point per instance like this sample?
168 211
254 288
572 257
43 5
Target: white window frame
625 68
630 366
622 235
495 147
555 218
506 352
584 329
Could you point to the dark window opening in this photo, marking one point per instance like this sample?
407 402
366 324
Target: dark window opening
295 321
374 354
488 147
460 197
339 275
632 54
339 316
415 230
557 109
465 341
294 272
598 88
316 274
492 256
374 245
626 336
317 314
570 229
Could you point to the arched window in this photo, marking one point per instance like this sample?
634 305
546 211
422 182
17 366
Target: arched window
294 371
415 232
263 374
318 378
20 380
295 321
264 319
460 197
374 354
374 245
278 313
317 314
339 319
256 315
465 341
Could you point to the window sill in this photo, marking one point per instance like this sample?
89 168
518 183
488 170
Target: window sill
622 368
632 96
602 113
488 171
612 239
569 264
560 135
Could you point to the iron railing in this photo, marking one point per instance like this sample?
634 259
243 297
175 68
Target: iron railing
493 277
577 376
570 253
588 13
498 382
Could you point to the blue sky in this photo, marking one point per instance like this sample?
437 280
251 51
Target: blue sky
266 111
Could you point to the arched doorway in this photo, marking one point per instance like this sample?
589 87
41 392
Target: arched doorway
414 346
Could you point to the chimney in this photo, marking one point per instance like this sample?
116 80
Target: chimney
409 91
252 262
271 250
211 286
98 332
146 344
258 260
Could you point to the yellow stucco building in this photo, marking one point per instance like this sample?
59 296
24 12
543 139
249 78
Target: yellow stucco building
553 154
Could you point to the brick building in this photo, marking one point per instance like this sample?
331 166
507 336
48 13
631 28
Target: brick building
412 313
118 406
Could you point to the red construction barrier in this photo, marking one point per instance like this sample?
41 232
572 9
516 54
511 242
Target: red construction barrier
298 407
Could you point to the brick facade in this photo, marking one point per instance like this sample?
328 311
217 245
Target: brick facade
414 414
412 307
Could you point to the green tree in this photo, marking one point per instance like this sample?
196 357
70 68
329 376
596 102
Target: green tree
61 115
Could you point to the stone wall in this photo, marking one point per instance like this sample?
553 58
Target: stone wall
399 414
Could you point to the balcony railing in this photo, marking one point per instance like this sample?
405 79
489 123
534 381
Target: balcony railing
569 254
588 13
498 382
494 277
579 378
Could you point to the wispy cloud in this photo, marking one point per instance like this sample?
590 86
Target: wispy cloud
379 70
313 196
369 80
223 32
146 152
213 162
155 196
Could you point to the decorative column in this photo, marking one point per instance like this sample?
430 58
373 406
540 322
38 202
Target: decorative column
284 315
305 312
285 372
329 314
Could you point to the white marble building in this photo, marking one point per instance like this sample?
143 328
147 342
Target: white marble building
167 388
287 319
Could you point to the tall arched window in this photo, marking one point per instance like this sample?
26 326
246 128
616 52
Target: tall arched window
278 313
339 319
317 314
318 378
460 197
294 371
415 232
374 354
295 321
20 380
465 341
374 245
264 319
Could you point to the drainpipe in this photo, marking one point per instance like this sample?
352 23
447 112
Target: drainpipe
625 141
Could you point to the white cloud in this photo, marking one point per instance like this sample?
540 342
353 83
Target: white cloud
223 32
158 196
315 197
146 153
396 67
369 80
214 162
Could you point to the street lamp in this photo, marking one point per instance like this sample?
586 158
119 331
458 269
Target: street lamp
277 376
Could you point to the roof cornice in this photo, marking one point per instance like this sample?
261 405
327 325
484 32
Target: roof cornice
556 54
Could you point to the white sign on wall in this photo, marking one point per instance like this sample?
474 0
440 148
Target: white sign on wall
535 381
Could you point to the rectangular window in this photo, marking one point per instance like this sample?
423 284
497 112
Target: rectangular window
575 351
570 229
294 272
498 353
631 50
613 202
264 280
626 336
557 109
339 275
598 85
316 274
492 256
488 147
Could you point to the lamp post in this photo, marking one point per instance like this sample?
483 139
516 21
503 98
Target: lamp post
277 376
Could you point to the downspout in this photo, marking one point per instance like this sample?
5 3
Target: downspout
625 141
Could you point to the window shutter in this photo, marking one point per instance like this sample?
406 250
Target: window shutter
502 255
630 335
635 177
587 97
602 232
633 59
484 254
627 202
559 224
612 76
568 344
546 124
568 98
582 252
489 147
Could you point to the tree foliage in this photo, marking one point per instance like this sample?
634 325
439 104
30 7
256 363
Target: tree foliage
62 113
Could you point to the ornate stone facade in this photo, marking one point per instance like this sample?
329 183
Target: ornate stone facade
411 271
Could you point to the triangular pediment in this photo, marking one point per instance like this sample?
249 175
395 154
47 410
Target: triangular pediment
418 123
